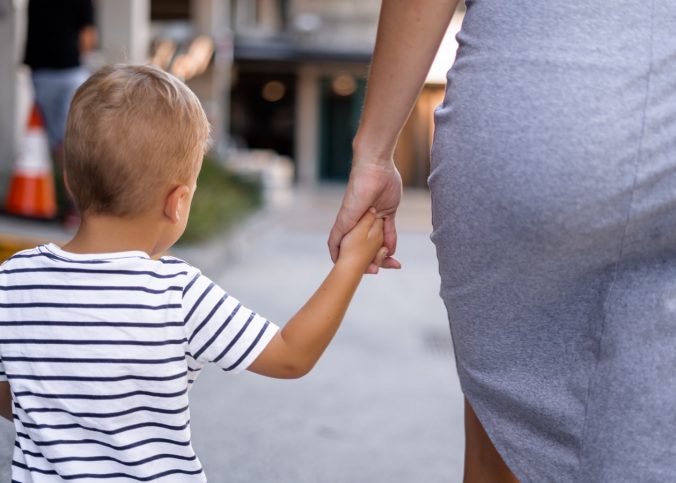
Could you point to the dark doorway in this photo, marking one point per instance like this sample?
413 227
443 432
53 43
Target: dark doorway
341 101
170 10
263 111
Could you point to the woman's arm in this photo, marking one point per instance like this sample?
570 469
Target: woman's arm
409 34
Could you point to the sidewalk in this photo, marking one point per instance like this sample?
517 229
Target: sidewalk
383 405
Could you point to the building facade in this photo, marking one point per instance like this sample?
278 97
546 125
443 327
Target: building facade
281 75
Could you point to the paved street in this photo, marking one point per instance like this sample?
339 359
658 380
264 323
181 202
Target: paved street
383 405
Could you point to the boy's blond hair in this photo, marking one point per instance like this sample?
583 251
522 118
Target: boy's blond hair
133 131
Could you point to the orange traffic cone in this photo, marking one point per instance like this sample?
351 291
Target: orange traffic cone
31 191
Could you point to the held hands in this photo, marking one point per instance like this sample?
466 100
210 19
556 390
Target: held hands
363 245
374 185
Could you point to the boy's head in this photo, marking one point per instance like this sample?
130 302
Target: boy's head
133 133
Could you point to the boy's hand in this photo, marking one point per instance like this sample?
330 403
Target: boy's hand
364 243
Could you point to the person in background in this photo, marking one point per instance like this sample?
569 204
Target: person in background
59 33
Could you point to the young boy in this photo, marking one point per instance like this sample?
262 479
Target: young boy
99 342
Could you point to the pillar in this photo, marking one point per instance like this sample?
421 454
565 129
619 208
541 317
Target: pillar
125 30
307 125
212 18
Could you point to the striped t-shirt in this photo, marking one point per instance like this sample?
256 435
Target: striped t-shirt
100 352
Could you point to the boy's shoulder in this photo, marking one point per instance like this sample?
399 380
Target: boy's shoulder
171 260
174 265
50 256
27 252
21 255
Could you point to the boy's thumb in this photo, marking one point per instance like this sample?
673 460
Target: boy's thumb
381 256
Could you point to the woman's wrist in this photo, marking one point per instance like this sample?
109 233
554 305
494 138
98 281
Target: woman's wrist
366 150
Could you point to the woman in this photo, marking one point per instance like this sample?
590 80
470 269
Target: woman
553 188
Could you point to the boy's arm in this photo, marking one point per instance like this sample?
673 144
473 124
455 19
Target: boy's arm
5 401
296 348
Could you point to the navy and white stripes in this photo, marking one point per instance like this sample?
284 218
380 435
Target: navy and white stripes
100 352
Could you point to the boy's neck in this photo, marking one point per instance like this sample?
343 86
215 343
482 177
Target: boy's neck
109 234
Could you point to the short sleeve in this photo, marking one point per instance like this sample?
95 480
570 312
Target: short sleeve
220 329
3 374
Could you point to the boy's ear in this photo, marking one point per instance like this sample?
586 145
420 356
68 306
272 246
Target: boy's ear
175 203
65 183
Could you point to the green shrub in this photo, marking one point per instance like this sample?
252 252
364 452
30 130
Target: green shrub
221 200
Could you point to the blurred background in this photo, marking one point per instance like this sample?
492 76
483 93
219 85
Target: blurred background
286 76
282 82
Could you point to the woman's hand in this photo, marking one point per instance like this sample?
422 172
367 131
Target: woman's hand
376 185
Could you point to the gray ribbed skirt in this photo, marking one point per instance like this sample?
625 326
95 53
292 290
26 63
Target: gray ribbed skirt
554 209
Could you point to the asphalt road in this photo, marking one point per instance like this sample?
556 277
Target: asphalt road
383 405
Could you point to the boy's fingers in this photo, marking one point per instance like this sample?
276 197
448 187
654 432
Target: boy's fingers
380 256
